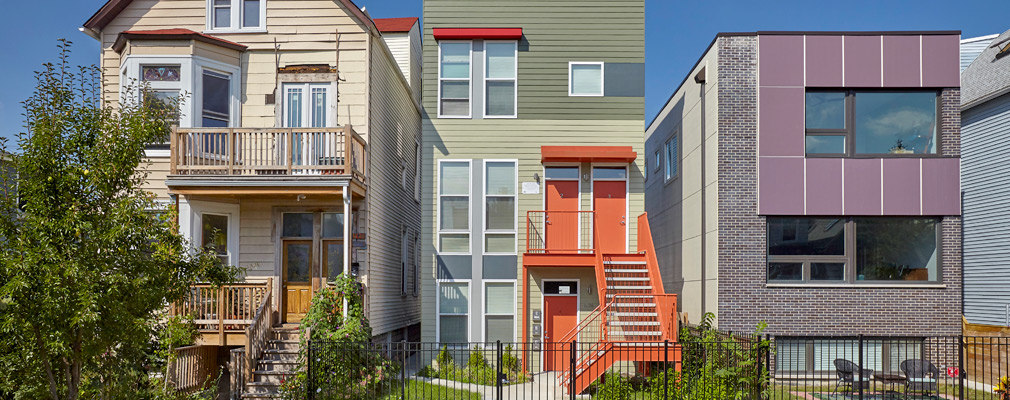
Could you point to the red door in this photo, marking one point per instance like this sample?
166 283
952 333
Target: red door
610 203
561 315
562 220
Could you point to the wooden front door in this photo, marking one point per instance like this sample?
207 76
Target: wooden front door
561 315
297 278
561 224
610 203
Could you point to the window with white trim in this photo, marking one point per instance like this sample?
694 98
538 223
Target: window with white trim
207 93
454 207
500 207
499 311
307 105
454 75
585 78
500 78
453 312
214 235
236 15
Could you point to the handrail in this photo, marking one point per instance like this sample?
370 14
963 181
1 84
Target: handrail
220 309
646 246
258 333
570 231
601 274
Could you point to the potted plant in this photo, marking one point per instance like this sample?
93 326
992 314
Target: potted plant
1002 389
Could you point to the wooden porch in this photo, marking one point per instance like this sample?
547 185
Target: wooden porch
224 315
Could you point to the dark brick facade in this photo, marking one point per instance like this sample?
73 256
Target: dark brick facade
744 298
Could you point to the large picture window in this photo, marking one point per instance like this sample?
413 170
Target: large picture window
852 250
801 356
453 311
454 207
454 75
500 79
500 207
871 123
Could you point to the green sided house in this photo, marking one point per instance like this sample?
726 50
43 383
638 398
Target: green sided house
533 221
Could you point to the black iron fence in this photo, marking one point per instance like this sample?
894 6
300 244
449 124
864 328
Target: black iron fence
849 367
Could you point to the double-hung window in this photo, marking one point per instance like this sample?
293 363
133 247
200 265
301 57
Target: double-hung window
453 312
585 78
454 75
454 207
500 79
853 250
235 15
871 123
499 311
500 207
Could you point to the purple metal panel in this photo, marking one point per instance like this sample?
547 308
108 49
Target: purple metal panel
780 60
824 186
780 186
862 61
941 186
824 61
901 61
901 186
862 186
941 61
780 127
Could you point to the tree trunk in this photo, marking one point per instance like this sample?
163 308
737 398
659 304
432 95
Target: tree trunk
53 391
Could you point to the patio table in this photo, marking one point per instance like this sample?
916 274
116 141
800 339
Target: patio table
890 380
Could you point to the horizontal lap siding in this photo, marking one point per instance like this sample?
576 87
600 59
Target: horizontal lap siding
986 212
396 127
157 169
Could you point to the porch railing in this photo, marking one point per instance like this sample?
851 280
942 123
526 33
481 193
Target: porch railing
228 308
257 335
559 232
268 151
192 368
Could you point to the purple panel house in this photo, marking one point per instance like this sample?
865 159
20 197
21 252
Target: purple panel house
810 180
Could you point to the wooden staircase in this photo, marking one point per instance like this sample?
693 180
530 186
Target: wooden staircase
633 322
277 364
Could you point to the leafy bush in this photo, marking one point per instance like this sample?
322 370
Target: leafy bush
613 386
477 370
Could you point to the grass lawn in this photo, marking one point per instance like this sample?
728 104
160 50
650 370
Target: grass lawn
424 390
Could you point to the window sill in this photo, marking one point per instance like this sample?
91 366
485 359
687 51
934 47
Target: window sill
857 285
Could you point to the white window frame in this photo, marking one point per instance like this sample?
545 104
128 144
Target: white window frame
191 223
190 82
235 24
306 111
659 161
485 314
438 208
514 80
438 309
515 223
469 113
571 64
672 160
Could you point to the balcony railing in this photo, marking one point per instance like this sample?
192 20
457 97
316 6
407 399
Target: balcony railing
230 308
559 232
268 152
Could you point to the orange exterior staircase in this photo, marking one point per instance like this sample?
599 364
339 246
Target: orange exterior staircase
633 321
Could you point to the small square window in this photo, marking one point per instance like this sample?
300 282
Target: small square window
585 79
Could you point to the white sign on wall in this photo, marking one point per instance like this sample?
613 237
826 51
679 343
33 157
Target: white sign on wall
531 188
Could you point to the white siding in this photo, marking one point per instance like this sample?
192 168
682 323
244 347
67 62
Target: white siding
972 47
406 50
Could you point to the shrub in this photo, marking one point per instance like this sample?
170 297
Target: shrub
613 386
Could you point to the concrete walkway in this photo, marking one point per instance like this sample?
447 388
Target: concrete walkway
542 386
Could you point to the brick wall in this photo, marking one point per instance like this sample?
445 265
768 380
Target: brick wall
744 299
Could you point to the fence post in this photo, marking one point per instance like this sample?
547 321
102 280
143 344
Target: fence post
571 373
768 360
961 372
403 368
861 367
666 369
498 382
309 387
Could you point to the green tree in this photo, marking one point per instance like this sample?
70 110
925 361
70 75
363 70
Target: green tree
86 267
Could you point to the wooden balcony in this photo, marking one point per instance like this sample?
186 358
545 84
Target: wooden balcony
224 315
266 157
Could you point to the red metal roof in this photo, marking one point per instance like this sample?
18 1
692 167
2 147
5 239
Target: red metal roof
587 154
478 33
176 34
394 24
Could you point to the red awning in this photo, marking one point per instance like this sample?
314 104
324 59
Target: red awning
622 154
478 33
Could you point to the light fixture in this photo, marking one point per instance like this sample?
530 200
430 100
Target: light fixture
585 177
536 177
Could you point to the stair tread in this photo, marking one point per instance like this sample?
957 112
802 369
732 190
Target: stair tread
621 270
623 262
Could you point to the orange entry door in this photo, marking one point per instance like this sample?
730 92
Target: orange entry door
610 204
561 315
561 223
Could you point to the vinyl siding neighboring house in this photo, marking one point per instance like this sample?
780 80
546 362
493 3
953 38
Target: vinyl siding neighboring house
985 125
972 47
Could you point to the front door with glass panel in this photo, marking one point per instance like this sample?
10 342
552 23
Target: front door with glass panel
308 252
307 105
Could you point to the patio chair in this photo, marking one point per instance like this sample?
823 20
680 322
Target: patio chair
848 376
920 376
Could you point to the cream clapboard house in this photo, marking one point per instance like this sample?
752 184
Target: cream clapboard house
298 142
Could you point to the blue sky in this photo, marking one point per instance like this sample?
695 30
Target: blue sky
677 31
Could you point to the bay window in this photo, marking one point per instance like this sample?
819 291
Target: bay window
871 122
454 207
852 250
454 79
500 207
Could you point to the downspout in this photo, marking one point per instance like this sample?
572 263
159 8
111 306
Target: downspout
962 260
700 79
